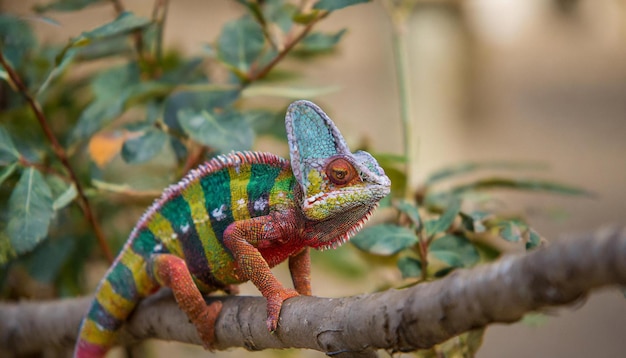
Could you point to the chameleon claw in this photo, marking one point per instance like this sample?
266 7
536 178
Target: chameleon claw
274 304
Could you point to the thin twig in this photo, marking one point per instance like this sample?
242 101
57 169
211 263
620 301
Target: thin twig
251 77
60 153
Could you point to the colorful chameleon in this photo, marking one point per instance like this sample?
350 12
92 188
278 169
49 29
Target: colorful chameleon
232 219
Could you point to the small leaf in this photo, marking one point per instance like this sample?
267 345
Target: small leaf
465 168
66 198
410 267
124 24
6 172
65 5
145 147
332 5
411 211
456 251
533 240
17 39
520 184
8 152
30 211
384 239
445 220
104 146
227 131
509 231
317 43
212 99
241 43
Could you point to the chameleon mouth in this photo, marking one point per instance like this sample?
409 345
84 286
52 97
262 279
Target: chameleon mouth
339 240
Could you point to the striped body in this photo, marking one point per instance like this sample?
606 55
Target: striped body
234 218
189 221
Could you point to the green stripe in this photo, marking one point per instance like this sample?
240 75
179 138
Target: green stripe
262 180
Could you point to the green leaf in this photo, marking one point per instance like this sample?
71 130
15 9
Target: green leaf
456 251
267 122
17 39
6 172
410 267
65 198
65 5
30 211
98 114
227 131
6 252
519 184
445 220
212 99
318 43
332 5
411 211
465 168
124 24
44 264
241 43
8 152
534 239
384 239
509 231
145 147
534 319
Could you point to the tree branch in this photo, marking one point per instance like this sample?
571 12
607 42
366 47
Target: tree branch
397 320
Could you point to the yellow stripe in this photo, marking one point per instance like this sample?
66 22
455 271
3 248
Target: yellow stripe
278 194
116 305
239 178
221 266
137 266
162 229
93 334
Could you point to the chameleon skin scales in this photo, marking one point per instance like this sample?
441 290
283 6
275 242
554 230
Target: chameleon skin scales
232 219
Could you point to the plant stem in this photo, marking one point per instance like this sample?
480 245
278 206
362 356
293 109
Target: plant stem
402 69
60 153
251 77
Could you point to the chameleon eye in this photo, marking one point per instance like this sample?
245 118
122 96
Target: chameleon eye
340 171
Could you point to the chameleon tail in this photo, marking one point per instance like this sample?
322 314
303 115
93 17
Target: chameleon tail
126 282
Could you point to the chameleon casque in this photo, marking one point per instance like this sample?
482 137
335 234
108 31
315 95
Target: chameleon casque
231 220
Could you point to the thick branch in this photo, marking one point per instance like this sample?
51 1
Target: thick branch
398 320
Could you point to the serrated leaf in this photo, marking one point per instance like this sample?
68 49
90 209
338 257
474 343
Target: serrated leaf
445 220
65 5
384 239
227 131
6 172
454 250
409 267
30 211
332 5
465 168
411 211
241 43
8 152
519 184
145 147
65 198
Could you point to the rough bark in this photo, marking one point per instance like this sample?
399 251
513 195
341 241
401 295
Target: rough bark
396 320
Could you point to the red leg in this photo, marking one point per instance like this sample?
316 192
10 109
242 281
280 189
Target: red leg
300 268
172 271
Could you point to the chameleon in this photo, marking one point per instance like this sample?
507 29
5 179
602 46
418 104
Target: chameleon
234 218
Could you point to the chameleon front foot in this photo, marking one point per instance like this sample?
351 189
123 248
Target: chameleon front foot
274 303
205 324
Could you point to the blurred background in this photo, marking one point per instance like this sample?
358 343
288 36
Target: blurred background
538 80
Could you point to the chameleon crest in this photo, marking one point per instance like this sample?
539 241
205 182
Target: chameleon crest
234 218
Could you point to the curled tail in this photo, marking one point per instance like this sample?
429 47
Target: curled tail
119 292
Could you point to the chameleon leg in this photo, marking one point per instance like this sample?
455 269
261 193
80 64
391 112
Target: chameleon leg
300 268
240 238
171 271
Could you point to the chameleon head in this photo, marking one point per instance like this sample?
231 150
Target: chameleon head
333 179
